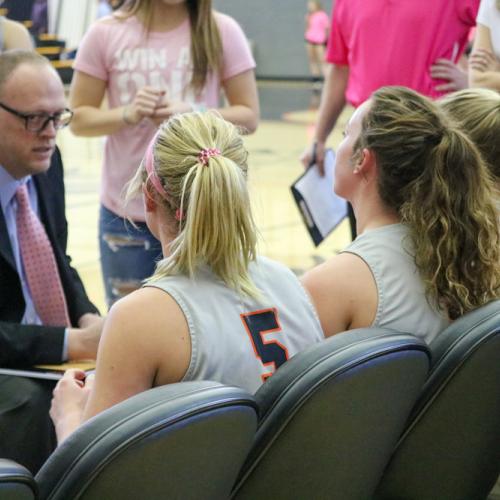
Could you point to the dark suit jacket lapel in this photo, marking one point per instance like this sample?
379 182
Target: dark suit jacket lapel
5 248
43 191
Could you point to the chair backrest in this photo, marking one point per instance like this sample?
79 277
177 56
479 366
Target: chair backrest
16 482
330 417
180 441
451 447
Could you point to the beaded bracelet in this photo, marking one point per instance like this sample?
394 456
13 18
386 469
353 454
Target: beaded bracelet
125 116
198 106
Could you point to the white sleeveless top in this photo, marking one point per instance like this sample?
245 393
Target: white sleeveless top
241 341
489 16
402 302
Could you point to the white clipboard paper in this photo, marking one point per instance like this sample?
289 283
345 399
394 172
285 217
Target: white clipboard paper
321 209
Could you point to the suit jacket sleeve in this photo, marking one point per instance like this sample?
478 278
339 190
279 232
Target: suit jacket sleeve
23 345
27 345
52 212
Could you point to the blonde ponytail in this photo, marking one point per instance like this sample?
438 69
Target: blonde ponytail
216 226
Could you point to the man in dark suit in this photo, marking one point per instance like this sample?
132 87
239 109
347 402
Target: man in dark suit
32 109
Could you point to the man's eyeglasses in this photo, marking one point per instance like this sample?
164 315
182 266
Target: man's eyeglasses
36 122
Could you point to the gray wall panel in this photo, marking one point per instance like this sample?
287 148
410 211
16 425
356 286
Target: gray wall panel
276 28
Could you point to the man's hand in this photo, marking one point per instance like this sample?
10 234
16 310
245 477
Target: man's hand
314 154
83 341
456 78
68 402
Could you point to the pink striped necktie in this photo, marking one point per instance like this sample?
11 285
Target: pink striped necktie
40 264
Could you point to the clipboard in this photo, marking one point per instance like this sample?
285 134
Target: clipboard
321 209
49 372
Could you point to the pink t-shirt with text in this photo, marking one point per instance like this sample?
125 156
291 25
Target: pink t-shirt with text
120 53
317 27
395 42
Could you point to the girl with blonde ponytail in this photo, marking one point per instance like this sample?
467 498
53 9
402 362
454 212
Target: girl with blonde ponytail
428 248
213 309
477 112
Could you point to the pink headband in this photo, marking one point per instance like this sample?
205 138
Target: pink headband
153 176
150 169
206 154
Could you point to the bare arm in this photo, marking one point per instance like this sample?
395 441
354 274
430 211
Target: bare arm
241 95
344 293
16 36
484 67
90 120
332 104
145 343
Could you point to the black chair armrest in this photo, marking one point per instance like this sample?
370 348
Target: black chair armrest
16 482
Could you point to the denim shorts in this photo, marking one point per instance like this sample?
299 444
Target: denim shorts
128 254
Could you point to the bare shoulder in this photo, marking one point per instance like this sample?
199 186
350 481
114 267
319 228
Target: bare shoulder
142 346
150 307
149 324
111 19
16 35
339 271
343 291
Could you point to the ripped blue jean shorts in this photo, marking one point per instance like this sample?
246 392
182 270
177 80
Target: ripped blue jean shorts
128 254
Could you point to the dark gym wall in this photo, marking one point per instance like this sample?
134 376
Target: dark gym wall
20 10
276 29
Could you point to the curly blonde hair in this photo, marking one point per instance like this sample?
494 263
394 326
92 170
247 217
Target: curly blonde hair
217 226
433 176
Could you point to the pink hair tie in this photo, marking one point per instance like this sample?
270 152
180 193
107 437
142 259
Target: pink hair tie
150 169
179 215
206 154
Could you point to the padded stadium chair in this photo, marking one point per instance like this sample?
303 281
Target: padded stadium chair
331 416
180 441
52 53
65 69
16 482
451 448
49 41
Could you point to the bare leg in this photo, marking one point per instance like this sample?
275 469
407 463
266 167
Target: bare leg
313 62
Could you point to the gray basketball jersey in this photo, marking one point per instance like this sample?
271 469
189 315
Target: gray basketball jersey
402 302
241 341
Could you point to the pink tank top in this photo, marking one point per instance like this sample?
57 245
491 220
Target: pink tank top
317 27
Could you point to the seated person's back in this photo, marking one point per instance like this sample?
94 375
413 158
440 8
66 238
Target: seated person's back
241 340
402 301
13 35
477 112
425 205
213 309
